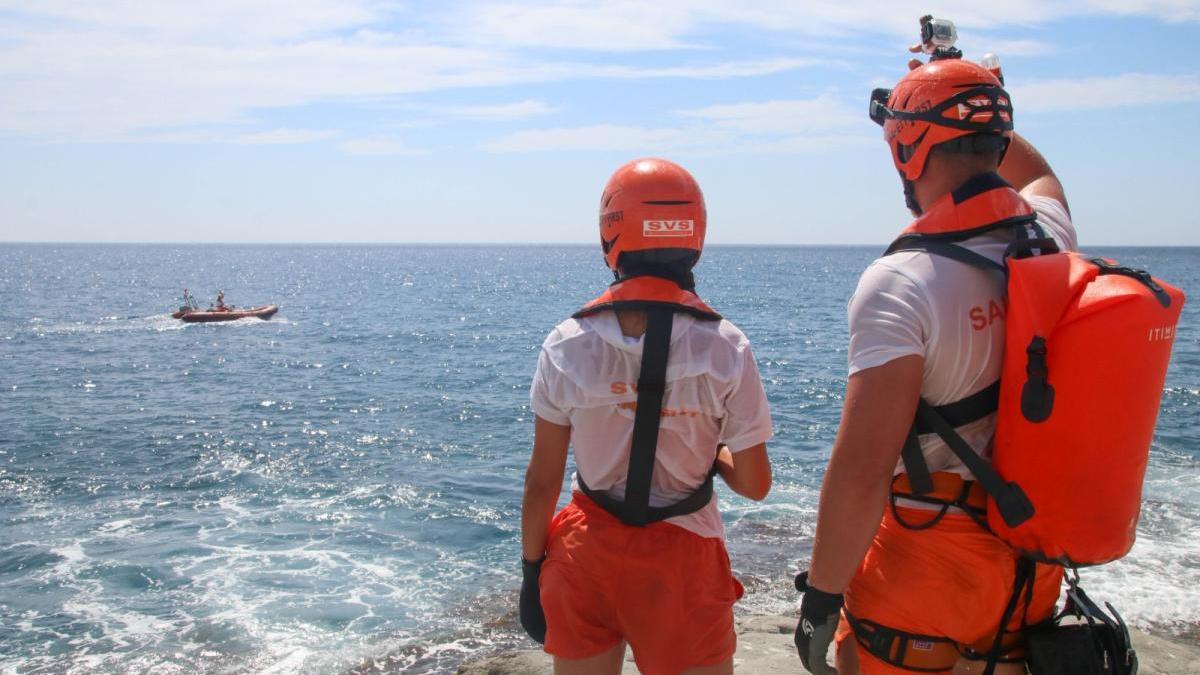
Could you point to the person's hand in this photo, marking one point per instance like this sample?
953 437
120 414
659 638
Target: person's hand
913 64
819 613
533 617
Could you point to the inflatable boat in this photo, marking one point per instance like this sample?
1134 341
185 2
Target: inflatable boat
224 314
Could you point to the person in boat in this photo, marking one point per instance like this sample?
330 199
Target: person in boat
221 302
656 393
924 586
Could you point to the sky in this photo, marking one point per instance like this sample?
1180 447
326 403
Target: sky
459 121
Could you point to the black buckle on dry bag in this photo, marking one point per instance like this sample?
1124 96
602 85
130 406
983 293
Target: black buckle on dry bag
1143 276
1037 396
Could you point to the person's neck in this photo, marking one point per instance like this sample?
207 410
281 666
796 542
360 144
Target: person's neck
632 322
939 181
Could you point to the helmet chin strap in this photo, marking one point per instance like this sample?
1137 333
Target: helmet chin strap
910 196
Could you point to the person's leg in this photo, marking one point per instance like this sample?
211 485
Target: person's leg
605 663
675 601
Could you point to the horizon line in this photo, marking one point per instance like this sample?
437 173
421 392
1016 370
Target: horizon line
496 243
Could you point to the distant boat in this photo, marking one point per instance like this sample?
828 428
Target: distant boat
224 314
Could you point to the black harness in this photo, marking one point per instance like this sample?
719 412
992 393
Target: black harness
635 508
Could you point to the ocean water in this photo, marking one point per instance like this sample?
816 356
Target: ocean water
338 489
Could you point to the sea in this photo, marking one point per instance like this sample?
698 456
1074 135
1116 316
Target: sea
338 489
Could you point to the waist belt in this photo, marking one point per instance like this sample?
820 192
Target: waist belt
948 490
931 653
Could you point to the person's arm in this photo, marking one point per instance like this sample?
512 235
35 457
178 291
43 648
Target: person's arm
746 426
1028 172
543 483
748 472
879 409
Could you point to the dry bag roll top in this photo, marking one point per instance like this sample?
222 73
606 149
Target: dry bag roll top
1087 343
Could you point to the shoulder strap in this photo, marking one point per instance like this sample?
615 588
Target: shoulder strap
652 384
952 251
964 411
961 412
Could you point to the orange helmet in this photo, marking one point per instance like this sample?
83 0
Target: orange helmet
651 204
937 102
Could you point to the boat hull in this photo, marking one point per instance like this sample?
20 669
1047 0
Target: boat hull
203 316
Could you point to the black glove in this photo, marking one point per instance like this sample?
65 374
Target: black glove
818 620
533 618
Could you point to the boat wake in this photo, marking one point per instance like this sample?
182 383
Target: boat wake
153 323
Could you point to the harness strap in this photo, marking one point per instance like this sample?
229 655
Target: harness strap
949 491
959 413
635 508
1014 506
920 481
910 651
1026 574
652 384
954 252
964 411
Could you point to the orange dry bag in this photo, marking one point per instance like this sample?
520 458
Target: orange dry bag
1086 349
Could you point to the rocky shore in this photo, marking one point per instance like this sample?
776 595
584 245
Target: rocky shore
765 646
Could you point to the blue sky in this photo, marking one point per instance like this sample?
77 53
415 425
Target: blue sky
374 121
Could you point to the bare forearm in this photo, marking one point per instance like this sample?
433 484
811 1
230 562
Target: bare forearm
879 408
537 508
748 473
847 519
1029 173
543 483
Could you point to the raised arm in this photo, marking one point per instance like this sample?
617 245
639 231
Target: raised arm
1028 172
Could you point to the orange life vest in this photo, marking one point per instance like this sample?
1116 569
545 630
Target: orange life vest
661 299
1086 349
645 292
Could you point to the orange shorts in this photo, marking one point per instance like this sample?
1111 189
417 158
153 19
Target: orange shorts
952 580
666 591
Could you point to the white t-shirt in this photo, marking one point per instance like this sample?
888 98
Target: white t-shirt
585 378
950 313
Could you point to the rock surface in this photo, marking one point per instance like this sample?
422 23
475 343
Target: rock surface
765 646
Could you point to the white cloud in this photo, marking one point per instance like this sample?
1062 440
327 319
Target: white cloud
604 137
982 44
86 74
715 71
378 145
787 126
780 117
285 136
128 69
1175 11
1092 93
613 25
503 111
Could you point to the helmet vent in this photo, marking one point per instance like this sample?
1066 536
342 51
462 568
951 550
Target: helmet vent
668 202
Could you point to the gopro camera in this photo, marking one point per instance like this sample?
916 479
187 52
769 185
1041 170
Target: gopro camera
938 37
